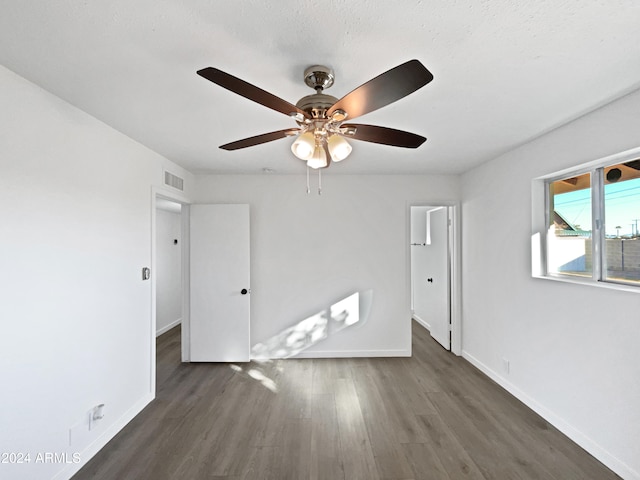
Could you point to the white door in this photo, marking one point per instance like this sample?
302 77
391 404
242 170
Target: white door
219 283
437 263
430 270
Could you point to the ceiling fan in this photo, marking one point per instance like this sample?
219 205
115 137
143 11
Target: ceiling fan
321 129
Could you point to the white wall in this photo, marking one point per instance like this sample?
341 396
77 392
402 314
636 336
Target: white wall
168 270
75 204
308 251
573 349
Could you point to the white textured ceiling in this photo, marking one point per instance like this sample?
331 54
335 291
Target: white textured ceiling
505 70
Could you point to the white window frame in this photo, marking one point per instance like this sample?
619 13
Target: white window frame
540 222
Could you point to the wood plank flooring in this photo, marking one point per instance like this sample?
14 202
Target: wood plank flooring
431 416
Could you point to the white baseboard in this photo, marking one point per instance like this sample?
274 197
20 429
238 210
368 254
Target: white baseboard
574 434
168 327
421 322
353 354
95 446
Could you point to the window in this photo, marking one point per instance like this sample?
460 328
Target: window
621 200
592 219
569 235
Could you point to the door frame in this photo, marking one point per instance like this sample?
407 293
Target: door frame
173 196
455 297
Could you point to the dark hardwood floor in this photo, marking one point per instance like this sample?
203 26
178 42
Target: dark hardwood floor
432 416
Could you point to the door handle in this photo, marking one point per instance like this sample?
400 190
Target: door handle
430 280
244 291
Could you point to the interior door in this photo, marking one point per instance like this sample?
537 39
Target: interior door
219 283
437 262
431 274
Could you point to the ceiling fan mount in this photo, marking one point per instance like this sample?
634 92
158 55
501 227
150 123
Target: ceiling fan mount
321 133
319 77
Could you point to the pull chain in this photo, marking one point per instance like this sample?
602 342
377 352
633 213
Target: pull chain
319 182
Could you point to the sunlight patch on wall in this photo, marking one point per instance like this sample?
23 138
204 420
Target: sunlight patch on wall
316 328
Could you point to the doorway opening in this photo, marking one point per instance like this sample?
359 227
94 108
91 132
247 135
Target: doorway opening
167 267
434 272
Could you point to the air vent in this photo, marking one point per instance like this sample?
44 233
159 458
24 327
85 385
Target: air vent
173 181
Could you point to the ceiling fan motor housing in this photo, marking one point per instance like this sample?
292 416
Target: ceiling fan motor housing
317 104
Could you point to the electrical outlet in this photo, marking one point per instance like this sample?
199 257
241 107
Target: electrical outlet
505 365
80 433
97 413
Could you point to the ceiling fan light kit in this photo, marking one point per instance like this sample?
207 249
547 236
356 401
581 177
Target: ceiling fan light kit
321 133
319 158
304 146
339 148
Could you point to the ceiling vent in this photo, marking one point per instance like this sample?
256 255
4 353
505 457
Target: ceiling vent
173 181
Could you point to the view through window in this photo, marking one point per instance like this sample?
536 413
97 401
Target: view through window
622 214
569 239
600 209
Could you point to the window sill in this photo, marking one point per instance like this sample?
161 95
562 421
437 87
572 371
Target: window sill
591 283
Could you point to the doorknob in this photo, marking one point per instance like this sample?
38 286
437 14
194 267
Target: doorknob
244 291
430 280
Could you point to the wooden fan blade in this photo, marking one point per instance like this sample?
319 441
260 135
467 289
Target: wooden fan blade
386 88
249 91
258 139
384 135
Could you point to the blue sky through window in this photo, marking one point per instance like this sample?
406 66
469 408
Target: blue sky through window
622 207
